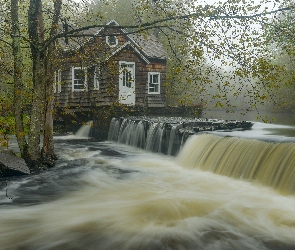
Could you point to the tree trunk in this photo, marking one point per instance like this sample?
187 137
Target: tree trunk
17 77
37 111
37 114
48 155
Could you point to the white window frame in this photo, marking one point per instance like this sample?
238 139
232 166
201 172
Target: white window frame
150 74
73 78
96 78
54 84
112 45
57 81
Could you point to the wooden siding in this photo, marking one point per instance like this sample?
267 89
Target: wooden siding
108 92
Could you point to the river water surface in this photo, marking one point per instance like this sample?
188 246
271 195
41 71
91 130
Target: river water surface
103 195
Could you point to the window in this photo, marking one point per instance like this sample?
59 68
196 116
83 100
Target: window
127 78
57 81
112 41
79 81
154 83
97 78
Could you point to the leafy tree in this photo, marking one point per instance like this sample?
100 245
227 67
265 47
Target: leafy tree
215 51
278 67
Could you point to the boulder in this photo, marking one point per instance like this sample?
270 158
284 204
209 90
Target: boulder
11 165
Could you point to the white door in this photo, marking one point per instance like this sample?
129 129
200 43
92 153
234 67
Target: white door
127 83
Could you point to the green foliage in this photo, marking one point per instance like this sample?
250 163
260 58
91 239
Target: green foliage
218 55
215 51
277 68
7 128
7 124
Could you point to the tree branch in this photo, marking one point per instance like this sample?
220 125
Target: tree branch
153 24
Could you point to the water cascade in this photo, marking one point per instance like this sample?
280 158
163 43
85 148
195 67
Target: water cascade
165 134
271 164
84 131
106 195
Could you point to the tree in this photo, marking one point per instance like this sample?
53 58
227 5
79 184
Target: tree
279 34
41 54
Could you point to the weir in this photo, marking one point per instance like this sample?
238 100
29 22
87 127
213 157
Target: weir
268 163
271 164
165 135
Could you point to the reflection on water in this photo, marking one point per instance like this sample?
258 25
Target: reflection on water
110 196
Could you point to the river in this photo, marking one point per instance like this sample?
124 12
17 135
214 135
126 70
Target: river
104 195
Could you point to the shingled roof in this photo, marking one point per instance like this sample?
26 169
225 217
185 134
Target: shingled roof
148 45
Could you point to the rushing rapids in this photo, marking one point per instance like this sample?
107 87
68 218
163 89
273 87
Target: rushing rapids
271 164
106 195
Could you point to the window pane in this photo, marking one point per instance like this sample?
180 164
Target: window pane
124 79
112 40
154 82
79 74
128 79
96 78
156 87
59 75
155 78
78 84
79 79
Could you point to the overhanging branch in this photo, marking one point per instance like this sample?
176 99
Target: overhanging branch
155 24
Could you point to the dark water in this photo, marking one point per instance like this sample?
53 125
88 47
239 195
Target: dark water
111 196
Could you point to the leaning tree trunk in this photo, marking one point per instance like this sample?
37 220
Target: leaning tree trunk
17 77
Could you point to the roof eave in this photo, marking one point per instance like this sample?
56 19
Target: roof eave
134 47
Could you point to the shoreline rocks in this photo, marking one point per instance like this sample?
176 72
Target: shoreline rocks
11 165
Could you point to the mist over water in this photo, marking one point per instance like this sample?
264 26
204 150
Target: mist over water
111 196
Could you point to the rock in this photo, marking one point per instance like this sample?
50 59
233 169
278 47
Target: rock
11 165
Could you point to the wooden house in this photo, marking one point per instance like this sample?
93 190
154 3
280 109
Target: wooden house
113 66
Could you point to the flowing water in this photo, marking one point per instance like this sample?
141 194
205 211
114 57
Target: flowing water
105 195
84 131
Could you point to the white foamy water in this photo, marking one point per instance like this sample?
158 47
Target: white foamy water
110 196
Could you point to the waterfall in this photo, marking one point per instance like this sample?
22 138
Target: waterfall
174 140
164 135
151 135
271 164
128 132
154 137
84 131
